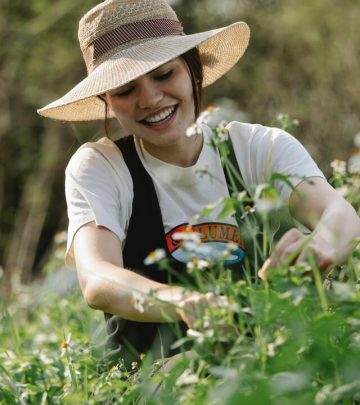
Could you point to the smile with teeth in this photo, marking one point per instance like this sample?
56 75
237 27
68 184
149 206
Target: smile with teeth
160 117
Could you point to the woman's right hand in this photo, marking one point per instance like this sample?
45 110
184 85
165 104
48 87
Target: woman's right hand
194 304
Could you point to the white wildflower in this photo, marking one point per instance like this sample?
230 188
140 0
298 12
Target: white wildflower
45 359
267 198
154 256
115 372
357 140
223 302
198 249
241 196
248 209
356 341
187 378
338 166
280 116
187 235
198 336
193 130
67 372
230 247
209 333
354 164
287 382
197 263
246 310
206 322
40 338
65 344
60 237
134 365
271 349
324 395
209 117
267 205
221 132
138 300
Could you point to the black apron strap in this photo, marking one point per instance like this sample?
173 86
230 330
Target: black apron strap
146 231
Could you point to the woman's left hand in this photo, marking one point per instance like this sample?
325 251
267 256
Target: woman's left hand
334 224
295 248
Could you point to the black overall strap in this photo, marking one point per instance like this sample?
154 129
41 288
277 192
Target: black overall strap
145 232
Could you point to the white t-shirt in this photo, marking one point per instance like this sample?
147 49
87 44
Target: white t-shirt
99 185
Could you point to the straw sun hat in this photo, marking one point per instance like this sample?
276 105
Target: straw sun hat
122 40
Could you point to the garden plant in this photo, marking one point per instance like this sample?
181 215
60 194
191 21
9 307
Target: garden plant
292 339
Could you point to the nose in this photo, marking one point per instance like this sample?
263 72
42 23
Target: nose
150 94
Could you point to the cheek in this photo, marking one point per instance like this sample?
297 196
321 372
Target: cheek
121 112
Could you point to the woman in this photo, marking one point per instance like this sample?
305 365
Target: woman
128 198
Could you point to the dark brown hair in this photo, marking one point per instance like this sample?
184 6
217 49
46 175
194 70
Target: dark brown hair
193 61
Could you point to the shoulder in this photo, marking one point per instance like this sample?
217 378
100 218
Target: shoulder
263 142
253 134
90 153
101 158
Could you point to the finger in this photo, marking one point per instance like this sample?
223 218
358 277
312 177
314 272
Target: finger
262 273
314 255
289 237
281 250
188 317
218 301
291 252
286 255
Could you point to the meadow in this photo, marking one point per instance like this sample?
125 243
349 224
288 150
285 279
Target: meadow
294 339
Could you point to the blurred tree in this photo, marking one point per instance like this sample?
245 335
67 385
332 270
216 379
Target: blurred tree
38 61
303 60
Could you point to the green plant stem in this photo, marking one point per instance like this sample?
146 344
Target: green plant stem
263 350
318 282
74 381
86 382
199 281
266 234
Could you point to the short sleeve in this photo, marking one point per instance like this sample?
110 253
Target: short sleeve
264 150
98 188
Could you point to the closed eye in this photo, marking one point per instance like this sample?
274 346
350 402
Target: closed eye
124 93
164 76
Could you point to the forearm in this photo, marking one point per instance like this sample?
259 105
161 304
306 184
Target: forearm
334 223
339 227
116 290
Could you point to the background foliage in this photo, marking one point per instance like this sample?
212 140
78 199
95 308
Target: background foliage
302 60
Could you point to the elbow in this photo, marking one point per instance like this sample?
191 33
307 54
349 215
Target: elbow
95 296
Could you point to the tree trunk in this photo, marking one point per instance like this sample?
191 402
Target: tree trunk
32 211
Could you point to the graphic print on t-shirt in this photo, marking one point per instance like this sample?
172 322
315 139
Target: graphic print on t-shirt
214 237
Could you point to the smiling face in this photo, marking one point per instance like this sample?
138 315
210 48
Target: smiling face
157 107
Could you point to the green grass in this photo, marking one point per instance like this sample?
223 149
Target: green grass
292 340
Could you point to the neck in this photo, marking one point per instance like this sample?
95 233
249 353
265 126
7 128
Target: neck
183 154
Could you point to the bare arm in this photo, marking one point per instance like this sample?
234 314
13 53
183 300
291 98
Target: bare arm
108 286
332 220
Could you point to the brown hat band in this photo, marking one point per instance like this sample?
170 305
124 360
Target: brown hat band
130 32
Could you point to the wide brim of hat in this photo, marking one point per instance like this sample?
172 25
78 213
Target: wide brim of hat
219 50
